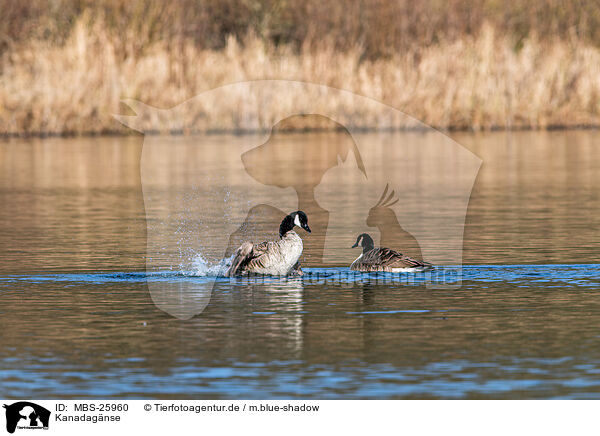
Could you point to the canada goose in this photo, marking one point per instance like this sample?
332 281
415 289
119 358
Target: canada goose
276 258
383 259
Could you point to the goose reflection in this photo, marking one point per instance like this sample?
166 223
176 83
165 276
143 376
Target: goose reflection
277 306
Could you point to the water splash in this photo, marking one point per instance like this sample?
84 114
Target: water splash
202 268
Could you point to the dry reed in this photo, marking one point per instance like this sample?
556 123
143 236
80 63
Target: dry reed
475 81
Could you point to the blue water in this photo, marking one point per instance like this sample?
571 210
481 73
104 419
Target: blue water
513 331
551 275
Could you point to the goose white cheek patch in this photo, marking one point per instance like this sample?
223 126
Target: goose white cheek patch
297 221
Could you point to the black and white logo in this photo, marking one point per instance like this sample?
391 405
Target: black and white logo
26 415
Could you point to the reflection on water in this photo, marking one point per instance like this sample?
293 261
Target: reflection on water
71 205
76 314
536 198
510 332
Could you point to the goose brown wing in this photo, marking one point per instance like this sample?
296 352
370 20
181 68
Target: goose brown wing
386 257
260 249
247 253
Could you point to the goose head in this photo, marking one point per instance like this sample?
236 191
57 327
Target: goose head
297 218
365 241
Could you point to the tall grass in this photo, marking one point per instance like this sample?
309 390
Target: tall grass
381 27
449 66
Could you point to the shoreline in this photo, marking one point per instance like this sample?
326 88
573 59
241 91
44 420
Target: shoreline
245 132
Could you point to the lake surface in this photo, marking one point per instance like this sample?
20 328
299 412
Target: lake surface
82 254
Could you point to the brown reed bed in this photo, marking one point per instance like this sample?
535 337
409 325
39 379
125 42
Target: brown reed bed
484 79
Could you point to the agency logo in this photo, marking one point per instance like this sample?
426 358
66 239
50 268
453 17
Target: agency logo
26 415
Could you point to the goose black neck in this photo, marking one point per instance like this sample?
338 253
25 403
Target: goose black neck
367 243
286 225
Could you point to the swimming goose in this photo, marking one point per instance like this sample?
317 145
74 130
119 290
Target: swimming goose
276 258
383 259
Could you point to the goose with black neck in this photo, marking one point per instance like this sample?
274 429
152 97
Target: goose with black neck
278 258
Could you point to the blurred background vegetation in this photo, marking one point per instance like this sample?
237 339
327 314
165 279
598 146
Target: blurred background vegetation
380 27
65 64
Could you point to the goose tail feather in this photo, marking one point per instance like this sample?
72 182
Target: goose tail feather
240 259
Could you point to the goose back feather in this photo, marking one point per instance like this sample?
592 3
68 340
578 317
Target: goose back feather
385 259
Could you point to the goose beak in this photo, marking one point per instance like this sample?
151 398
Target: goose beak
305 227
355 245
